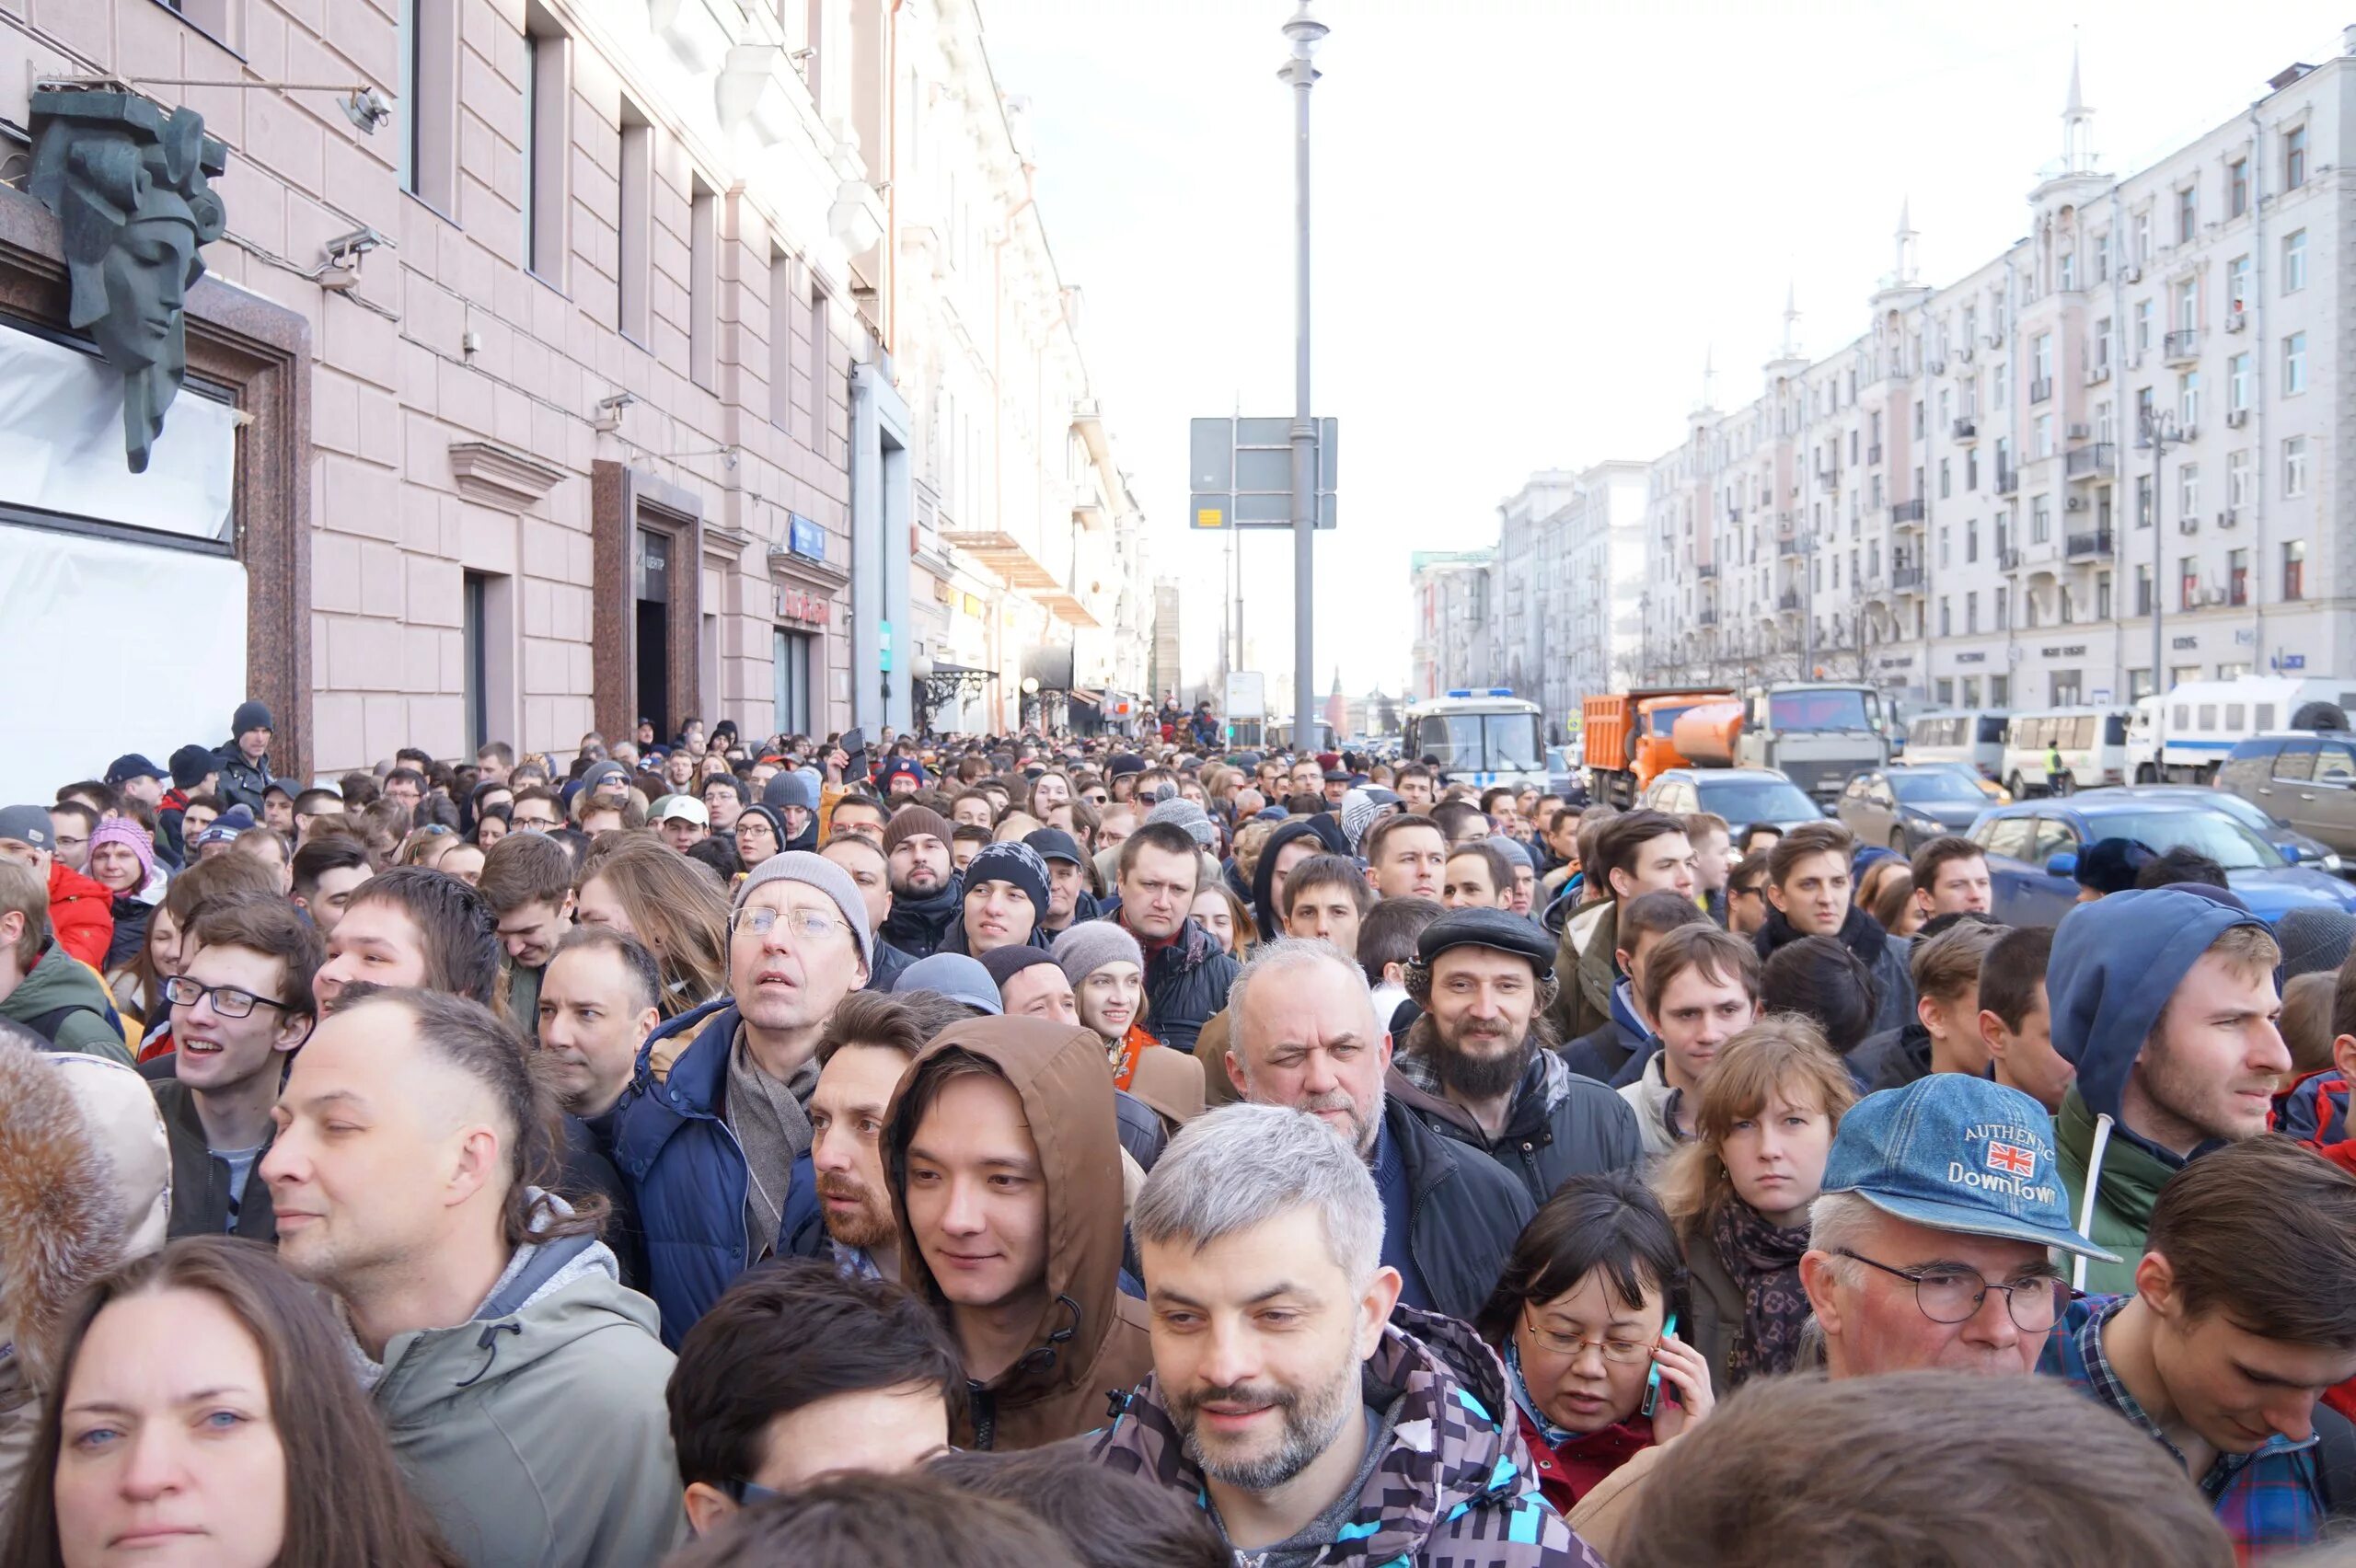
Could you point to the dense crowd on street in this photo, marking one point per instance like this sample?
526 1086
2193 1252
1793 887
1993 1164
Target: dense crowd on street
1123 1150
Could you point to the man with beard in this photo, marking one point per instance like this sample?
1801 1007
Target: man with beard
1292 1398
925 898
1476 1067
1306 1037
867 1045
2163 999
720 1158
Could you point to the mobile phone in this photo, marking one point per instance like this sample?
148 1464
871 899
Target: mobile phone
1652 1378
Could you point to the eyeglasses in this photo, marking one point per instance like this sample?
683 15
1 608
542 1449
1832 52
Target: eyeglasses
228 1000
760 919
1626 1352
1950 1294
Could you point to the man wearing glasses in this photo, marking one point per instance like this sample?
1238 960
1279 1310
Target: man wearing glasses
1931 1244
241 1007
718 1154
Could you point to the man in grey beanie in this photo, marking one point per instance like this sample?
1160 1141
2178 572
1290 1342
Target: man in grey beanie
718 1152
1183 813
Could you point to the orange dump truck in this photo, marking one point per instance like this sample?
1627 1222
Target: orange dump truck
1626 739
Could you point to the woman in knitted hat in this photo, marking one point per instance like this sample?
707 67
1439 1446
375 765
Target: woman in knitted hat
1106 969
122 860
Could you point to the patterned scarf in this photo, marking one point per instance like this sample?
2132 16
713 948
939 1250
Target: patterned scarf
1764 1260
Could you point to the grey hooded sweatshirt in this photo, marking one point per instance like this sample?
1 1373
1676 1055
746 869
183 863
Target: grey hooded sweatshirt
536 1433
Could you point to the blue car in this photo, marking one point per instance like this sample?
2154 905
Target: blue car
2032 849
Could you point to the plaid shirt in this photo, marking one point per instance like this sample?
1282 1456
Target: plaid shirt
2269 1500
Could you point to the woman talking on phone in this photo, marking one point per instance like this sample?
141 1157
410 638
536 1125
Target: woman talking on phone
1586 1317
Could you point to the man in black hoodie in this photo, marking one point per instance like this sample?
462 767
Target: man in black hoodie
1809 894
243 760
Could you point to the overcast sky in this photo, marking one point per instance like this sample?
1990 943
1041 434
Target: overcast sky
1534 219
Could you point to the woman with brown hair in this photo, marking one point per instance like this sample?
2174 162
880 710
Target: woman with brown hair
1739 1193
675 905
284 1463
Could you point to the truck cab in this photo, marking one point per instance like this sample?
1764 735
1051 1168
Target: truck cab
1817 734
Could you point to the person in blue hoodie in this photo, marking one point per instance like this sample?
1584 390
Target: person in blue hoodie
2164 999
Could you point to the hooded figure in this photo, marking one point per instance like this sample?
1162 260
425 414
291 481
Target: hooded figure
1264 875
1461 1490
86 1185
2115 965
244 780
1091 1343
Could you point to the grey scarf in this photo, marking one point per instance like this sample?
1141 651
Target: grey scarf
774 1130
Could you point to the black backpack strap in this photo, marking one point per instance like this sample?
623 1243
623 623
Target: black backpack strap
2336 1462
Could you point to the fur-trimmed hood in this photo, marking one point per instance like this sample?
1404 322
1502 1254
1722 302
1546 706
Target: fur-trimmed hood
85 1182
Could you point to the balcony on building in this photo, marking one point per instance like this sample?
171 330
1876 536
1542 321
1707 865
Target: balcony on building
1707 572
2095 543
1966 429
2009 560
2092 461
1787 547
1906 579
2008 479
1906 514
2040 389
2181 346
1706 618
1788 602
1873 453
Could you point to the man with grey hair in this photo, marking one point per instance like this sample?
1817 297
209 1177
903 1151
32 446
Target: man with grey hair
1292 1398
1307 1039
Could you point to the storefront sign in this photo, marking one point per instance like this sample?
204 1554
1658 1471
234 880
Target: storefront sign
1981 657
809 610
2184 642
2075 651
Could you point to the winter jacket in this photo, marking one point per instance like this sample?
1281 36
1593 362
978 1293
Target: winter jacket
687 1173
1605 1051
132 911
241 782
2115 965
1586 969
1169 1083
1574 1468
83 1134
1186 980
1464 1214
62 1000
1090 1341
917 925
1654 1103
201 1178
889 963
169 814
81 915
536 1433
1883 956
1559 1126
2314 1111
1891 1059
1461 1491
1264 913
1210 1049
1714 1304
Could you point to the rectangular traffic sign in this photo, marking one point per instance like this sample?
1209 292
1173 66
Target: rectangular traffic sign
1240 472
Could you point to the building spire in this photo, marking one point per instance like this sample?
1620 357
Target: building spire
1904 276
1791 321
2077 123
1710 376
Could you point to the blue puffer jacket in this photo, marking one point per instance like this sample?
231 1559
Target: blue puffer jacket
687 1173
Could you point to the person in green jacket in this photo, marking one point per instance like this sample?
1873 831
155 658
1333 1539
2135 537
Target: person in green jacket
522 1386
43 986
2163 1000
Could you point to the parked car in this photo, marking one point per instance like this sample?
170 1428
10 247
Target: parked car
2305 779
2033 848
1906 805
2296 846
1741 795
1562 773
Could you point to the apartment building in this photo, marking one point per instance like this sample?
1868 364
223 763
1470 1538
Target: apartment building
1964 503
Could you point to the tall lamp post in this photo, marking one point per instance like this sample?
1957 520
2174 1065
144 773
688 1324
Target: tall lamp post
1305 31
2155 434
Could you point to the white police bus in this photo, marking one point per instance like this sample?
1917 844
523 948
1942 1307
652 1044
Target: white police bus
1478 737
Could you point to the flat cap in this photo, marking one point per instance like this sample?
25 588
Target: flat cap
1496 928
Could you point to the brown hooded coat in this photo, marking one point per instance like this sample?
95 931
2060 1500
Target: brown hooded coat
1091 1343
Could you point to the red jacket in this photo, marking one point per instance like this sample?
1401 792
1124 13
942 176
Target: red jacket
81 914
1566 1474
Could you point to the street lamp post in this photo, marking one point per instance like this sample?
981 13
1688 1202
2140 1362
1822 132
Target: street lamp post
2156 433
1305 31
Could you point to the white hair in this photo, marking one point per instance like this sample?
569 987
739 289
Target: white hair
1836 1220
1244 1165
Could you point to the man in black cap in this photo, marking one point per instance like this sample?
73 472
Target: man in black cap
1337 784
790 795
136 779
243 760
194 772
1477 1067
1069 899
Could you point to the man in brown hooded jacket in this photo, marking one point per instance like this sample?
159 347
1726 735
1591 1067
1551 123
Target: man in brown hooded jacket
1000 1152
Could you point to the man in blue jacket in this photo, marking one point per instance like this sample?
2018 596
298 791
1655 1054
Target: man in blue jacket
717 1153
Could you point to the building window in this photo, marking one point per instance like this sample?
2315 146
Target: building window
1970 542
634 219
2040 432
475 651
2139 684
790 674
2295 570
2188 401
2238 577
1942 544
2237 188
2142 590
2143 328
2003 606
2237 284
2144 408
2294 261
2188 305
2237 382
2188 490
2143 238
427 149
1945 475
1971 469
2294 466
2066 270
2142 500
2041 521
547 98
2294 364
2102 257
2068 688
785 307
2295 157
2102 344
2188 215
1971 613
2187 582
1999 691
2102 596
2240 489
703 283
1946 622
821 434
1945 685
2040 356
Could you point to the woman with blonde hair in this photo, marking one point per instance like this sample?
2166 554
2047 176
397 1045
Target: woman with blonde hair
676 906
1739 1193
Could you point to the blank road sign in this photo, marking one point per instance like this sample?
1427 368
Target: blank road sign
1240 472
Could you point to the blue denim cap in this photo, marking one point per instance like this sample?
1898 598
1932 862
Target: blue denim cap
1954 1152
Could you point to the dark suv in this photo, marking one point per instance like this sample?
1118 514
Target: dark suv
2306 779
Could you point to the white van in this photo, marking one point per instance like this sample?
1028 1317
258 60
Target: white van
2181 738
2092 742
1974 737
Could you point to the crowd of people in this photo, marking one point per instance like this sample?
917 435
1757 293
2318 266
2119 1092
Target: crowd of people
1056 1149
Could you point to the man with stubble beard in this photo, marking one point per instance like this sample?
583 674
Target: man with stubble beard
1476 1067
867 1045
